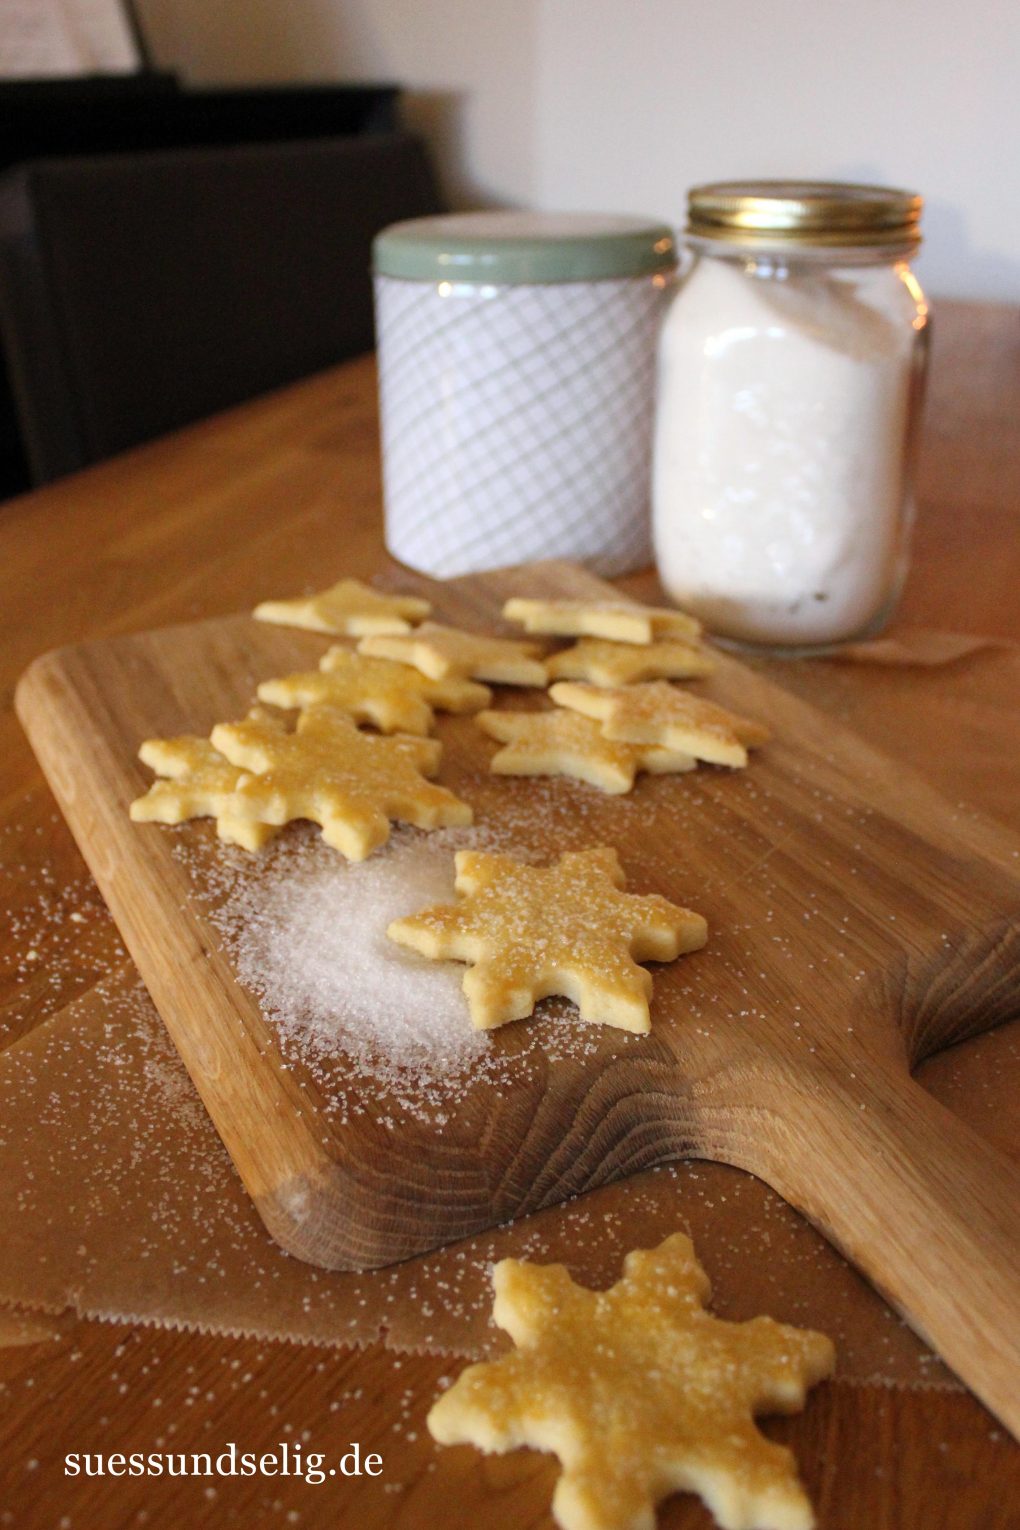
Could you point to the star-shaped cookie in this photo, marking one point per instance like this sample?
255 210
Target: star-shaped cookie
351 783
569 929
620 620
640 1393
199 783
391 697
443 653
561 743
347 609
660 713
607 663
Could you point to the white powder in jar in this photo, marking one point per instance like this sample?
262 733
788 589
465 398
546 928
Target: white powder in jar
779 479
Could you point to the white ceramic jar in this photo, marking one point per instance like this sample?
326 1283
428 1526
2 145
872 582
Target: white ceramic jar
516 379
791 376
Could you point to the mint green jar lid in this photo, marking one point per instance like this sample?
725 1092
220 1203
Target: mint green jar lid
507 248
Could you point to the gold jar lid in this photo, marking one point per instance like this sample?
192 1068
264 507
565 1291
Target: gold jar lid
782 214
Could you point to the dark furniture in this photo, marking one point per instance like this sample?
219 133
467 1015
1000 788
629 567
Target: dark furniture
110 114
106 114
140 292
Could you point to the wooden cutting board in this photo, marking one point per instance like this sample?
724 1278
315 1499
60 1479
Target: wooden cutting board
858 922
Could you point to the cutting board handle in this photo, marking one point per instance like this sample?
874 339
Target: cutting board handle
928 1210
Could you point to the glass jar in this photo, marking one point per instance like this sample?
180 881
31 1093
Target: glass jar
791 374
517 385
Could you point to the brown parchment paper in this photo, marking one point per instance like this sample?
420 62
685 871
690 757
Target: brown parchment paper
118 1201
910 646
23 1328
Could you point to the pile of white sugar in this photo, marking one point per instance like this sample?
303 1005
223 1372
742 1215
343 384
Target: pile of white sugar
310 939
779 481
306 934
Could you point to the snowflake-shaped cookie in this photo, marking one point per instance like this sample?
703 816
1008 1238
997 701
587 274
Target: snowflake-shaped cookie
391 697
351 783
606 663
347 609
622 621
562 743
199 783
531 931
640 1393
660 713
443 653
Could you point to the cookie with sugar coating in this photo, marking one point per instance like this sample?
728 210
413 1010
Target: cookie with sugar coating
602 662
347 609
640 1392
196 781
443 653
349 782
660 713
561 743
623 621
570 928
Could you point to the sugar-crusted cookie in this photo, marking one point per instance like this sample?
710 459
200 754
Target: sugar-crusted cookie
446 652
606 663
569 929
660 713
391 697
562 743
453 694
199 782
641 1393
346 609
350 783
622 621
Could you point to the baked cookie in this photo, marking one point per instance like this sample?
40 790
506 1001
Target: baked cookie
640 1393
349 782
199 782
443 653
391 697
606 663
561 743
347 609
622 621
659 713
531 931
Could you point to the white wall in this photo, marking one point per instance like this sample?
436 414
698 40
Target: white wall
621 104
639 100
468 64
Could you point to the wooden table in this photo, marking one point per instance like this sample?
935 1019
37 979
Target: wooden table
267 498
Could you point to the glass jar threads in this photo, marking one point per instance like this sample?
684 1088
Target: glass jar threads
516 377
791 374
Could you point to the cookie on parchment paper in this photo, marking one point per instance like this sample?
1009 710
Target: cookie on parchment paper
641 1393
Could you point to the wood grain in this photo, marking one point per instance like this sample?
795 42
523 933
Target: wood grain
909 944
869 1456
188 528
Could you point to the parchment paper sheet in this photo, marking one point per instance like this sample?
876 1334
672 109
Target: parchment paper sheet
118 1201
915 646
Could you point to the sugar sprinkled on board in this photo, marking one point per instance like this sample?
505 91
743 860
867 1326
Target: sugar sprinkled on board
305 932
311 943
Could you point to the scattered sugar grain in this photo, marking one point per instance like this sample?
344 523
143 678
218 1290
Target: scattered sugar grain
311 942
